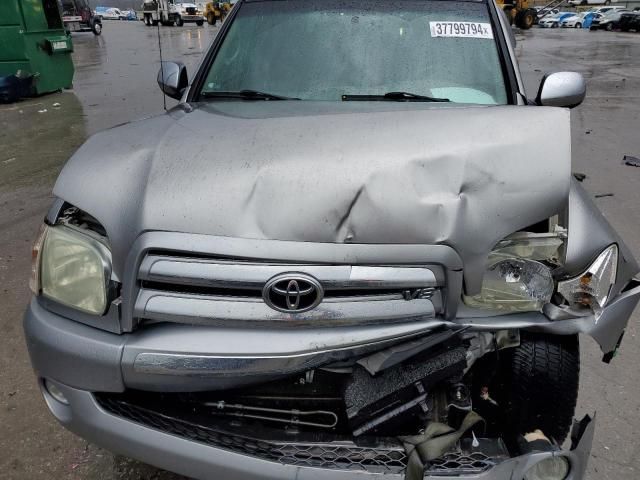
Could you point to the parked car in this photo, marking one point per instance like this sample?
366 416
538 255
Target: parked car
130 15
352 269
593 2
607 21
606 8
580 20
630 21
574 21
542 12
554 21
104 13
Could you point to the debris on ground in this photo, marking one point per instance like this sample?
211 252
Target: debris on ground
44 110
579 176
632 161
601 195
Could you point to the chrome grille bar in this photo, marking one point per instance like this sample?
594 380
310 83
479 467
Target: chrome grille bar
212 310
217 273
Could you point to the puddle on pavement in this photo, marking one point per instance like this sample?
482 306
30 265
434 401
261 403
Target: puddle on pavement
37 136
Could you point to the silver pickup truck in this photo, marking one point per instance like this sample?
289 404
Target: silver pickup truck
355 249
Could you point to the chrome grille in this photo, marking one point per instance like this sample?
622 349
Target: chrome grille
208 291
461 463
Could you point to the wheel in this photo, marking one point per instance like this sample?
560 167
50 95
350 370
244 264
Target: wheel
609 27
179 21
200 23
578 25
154 23
211 19
583 2
554 25
96 28
525 19
541 387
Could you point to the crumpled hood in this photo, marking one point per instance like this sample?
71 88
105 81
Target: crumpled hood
461 176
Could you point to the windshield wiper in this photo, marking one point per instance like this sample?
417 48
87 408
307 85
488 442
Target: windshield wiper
246 95
393 97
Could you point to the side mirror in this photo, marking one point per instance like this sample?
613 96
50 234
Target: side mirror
173 79
562 89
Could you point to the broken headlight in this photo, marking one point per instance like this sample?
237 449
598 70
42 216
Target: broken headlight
552 468
74 269
591 288
518 278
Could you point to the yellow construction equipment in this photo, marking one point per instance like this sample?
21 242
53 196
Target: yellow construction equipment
216 11
518 12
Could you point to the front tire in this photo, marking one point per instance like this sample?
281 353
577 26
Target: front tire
200 23
578 25
96 28
179 22
609 27
541 390
525 19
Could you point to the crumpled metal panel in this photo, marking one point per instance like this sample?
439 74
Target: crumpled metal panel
460 176
589 234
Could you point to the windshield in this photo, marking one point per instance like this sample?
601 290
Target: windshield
332 49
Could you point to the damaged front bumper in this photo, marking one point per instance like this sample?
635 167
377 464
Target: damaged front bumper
81 360
202 452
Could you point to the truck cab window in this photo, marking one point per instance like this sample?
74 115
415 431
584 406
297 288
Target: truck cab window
52 14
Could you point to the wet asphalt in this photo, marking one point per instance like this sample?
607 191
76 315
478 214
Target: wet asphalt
115 82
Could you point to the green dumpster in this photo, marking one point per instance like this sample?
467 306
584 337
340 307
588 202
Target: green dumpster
33 41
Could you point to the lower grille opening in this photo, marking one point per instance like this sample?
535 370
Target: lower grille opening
319 452
175 414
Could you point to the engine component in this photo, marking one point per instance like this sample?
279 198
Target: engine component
419 401
314 418
387 358
372 402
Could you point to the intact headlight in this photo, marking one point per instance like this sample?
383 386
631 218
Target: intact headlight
75 269
516 280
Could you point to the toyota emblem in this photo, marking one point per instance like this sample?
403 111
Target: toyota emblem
292 293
